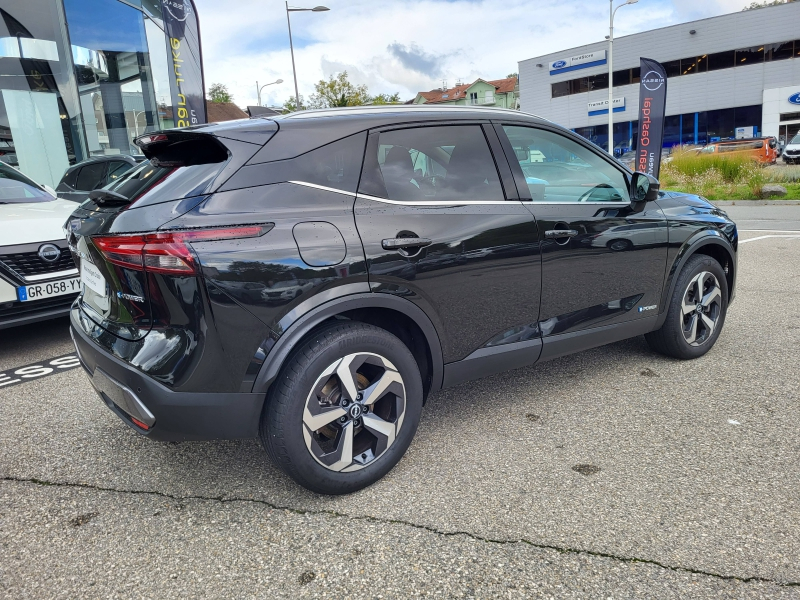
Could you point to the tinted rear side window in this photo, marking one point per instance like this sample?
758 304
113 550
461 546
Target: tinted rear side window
449 163
336 165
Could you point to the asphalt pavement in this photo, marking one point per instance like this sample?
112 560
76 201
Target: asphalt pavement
614 473
754 215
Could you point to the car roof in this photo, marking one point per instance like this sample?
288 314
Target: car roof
132 158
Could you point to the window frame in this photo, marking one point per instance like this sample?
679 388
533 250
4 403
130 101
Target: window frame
519 176
372 187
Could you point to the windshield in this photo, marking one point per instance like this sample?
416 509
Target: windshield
795 139
15 187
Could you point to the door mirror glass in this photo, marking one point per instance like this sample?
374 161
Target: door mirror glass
644 188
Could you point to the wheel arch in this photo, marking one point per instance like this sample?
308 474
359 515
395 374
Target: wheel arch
396 315
710 243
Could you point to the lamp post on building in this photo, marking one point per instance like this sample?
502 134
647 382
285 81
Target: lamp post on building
258 89
611 12
291 47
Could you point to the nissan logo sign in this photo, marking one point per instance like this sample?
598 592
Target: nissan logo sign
652 81
795 98
559 64
49 252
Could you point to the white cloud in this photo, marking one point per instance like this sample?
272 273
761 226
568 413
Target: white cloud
410 45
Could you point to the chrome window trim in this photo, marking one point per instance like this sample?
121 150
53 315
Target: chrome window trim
55 275
452 202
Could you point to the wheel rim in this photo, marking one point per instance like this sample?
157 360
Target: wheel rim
701 309
354 412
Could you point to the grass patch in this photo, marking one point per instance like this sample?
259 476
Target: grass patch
725 177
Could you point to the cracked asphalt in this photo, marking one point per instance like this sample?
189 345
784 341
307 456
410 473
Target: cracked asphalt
614 473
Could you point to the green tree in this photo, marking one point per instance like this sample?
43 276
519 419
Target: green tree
765 3
291 104
218 92
514 75
338 91
386 99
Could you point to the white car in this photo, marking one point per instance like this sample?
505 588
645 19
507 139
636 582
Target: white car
38 278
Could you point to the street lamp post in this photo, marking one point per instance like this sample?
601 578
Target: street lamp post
611 12
258 89
291 47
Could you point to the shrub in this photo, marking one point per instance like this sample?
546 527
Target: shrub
734 168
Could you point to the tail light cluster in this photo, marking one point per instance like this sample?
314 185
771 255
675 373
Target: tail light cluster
167 252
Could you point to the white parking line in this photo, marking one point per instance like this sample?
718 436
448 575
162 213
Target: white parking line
763 237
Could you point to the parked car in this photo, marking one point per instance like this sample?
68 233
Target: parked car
762 150
334 381
93 174
38 278
286 291
791 153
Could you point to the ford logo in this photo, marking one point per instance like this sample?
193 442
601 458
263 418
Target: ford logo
559 64
795 98
49 252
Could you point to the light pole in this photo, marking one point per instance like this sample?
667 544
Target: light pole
291 47
258 89
611 12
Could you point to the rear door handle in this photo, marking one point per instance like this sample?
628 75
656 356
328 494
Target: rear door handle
560 233
410 242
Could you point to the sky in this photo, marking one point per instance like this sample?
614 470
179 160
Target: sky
407 46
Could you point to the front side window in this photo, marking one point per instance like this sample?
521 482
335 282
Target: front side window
558 169
438 164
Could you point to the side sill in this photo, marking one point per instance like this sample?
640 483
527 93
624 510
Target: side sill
489 361
568 343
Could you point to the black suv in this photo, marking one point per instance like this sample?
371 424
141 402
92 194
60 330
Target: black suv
312 278
94 173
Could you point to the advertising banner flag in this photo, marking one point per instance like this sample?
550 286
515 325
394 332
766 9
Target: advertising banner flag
186 72
652 107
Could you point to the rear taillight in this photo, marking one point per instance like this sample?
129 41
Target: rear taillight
167 252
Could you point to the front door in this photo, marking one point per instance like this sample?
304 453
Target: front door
443 228
602 263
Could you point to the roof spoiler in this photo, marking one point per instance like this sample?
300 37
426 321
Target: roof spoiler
181 148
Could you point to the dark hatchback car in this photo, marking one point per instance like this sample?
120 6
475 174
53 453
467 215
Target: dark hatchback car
426 254
92 174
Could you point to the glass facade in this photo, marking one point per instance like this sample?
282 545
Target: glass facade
80 78
698 128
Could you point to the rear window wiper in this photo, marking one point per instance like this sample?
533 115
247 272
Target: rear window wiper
108 197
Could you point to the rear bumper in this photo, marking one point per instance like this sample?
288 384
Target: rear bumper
171 416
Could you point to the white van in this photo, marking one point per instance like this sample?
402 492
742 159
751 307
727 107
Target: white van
791 153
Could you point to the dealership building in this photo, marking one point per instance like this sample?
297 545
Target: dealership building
81 78
734 74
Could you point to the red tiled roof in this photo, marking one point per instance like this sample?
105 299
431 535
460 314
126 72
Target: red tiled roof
224 111
502 86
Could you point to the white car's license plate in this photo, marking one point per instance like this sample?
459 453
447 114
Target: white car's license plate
92 278
39 291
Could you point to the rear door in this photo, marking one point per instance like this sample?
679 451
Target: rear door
602 263
442 226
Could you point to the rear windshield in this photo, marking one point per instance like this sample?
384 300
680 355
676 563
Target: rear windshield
15 188
150 184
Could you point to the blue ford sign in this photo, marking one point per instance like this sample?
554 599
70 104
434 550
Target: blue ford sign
795 98
559 64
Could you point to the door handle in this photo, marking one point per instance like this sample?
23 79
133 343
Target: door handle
560 233
409 242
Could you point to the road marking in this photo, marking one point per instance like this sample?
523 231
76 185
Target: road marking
763 237
37 370
796 231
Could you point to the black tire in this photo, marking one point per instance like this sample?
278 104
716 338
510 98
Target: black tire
670 339
282 428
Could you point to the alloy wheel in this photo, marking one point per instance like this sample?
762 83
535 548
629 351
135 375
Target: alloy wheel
701 308
354 412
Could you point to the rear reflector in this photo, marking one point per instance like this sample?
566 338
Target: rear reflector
167 252
138 423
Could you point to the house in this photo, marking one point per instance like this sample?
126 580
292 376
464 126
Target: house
224 111
501 93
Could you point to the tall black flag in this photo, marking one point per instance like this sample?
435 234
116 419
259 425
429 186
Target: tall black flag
186 81
652 107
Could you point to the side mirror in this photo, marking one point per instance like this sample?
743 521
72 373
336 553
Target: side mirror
644 188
